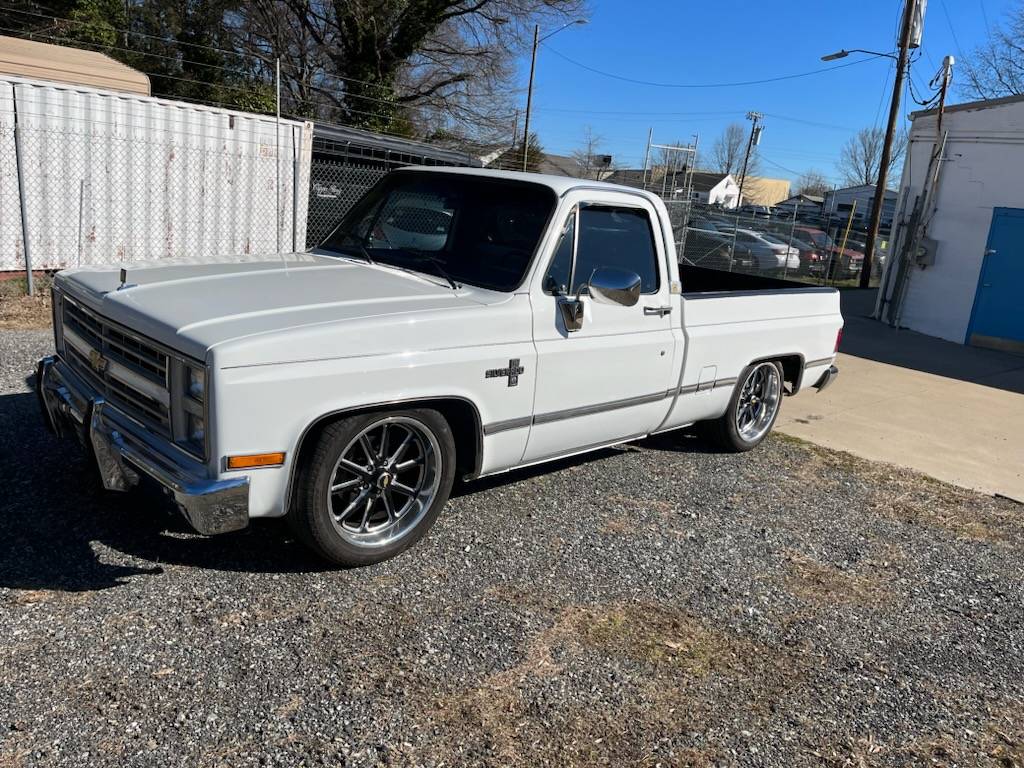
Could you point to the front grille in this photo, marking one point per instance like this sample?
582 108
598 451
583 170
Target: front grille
131 372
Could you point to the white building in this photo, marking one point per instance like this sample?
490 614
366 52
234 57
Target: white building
840 202
714 189
965 282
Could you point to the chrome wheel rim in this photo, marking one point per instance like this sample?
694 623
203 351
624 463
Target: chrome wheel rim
759 401
384 481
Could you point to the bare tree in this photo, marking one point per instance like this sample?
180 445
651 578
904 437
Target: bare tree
861 155
996 67
446 64
588 156
812 182
728 150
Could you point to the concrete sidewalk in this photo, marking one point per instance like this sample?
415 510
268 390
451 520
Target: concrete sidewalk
953 412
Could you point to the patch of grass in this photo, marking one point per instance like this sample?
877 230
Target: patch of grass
18 310
825 584
667 672
910 497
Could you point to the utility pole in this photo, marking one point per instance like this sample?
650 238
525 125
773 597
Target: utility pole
529 94
755 138
537 40
890 132
947 75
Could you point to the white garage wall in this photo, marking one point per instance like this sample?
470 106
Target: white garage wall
984 170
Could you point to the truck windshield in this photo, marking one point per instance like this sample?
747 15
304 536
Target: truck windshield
469 229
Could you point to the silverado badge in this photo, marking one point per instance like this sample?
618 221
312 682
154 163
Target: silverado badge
512 372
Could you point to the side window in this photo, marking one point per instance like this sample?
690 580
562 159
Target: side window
616 237
560 271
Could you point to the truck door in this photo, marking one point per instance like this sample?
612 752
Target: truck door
610 379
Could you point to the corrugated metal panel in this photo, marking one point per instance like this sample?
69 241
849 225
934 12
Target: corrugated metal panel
110 177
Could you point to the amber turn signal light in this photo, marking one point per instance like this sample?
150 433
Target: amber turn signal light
256 460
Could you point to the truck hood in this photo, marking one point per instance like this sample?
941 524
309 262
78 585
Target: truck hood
198 308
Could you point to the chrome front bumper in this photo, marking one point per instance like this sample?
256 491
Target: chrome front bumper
123 448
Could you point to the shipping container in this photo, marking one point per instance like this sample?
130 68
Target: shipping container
99 177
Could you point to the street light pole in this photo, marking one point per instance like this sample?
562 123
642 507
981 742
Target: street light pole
890 133
537 40
529 95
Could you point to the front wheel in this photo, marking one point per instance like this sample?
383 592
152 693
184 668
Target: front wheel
752 410
374 485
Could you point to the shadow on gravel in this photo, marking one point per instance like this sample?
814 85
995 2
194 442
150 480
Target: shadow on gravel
53 513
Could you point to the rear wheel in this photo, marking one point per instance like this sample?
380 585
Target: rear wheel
374 485
752 410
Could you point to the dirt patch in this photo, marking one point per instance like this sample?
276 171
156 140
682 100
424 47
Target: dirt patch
911 497
667 673
825 584
18 310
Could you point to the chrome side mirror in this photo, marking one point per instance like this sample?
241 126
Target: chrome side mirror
610 285
607 285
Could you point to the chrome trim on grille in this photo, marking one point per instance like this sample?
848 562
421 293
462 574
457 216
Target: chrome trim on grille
134 374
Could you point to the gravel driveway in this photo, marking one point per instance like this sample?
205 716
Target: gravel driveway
650 605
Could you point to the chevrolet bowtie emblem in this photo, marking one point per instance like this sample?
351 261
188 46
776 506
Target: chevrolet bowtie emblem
97 361
512 372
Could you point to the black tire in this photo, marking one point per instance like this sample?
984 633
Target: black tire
724 433
311 513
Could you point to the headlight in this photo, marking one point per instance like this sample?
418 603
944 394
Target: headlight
196 383
196 430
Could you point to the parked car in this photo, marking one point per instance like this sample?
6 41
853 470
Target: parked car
716 250
758 211
347 388
773 256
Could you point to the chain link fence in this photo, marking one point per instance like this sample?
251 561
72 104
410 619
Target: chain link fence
335 186
88 178
807 248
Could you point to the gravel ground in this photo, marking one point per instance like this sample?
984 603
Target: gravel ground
650 605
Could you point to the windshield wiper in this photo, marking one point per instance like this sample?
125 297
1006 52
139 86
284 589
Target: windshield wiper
359 245
430 258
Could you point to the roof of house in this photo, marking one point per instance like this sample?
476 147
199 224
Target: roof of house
705 181
560 165
631 177
859 187
43 61
804 198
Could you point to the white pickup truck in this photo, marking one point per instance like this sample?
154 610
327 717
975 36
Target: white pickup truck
457 322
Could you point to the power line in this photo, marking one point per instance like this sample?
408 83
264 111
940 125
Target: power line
952 30
706 85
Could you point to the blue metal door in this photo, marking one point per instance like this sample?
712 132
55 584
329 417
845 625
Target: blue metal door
998 316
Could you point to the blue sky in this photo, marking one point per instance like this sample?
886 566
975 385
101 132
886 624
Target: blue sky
806 119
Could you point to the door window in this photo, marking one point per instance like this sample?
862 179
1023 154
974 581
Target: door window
616 237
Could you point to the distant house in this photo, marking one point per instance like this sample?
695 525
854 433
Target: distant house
714 189
858 201
801 204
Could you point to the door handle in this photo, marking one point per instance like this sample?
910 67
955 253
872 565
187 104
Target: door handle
659 311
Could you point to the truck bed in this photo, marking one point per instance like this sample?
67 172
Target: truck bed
704 280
